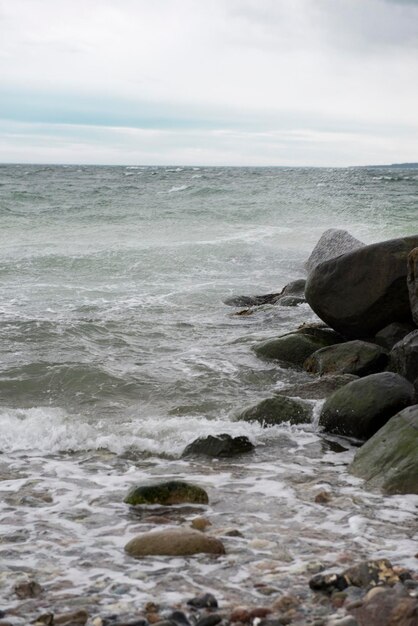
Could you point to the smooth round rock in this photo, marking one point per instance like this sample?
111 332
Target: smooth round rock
294 348
361 292
351 357
277 410
173 542
167 493
360 408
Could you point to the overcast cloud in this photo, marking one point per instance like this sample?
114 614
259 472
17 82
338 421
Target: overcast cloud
240 82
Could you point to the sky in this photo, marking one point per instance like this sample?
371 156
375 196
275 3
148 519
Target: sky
209 82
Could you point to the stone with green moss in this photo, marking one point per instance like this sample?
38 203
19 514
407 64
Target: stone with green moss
294 348
277 410
389 460
167 493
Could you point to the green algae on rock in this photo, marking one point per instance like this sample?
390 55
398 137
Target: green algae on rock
167 493
389 460
360 408
351 357
295 347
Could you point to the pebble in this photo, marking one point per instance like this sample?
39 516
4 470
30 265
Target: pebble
349 620
285 603
323 497
205 601
209 620
200 523
179 618
75 618
239 614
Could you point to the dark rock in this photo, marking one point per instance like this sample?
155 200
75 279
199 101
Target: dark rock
173 542
295 288
413 283
277 410
328 583
389 460
209 620
219 446
167 493
403 358
179 618
362 407
318 389
387 607
390 335
294 348
352 357
205 601
361 292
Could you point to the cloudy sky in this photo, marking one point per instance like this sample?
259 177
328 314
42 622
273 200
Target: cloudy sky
217 82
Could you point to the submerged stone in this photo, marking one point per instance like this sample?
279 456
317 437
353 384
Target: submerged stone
167 493
277 410
219 446
320 388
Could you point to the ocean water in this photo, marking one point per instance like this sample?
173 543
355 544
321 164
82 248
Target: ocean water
117 351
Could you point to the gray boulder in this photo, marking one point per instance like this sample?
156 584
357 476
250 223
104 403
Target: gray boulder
352 357
294 348
361 292
333 243
413 283
294 290
318 389
277 410
403 358
360 408
219 446
389 460
173 542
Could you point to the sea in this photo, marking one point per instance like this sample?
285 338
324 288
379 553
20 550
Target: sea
117 351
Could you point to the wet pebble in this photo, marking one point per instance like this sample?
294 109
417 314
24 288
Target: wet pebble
206 600
209 620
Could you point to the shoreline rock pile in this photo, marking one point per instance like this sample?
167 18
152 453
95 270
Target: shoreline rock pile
367 298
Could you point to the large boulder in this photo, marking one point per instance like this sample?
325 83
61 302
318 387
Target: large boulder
166 493
318 389
173 542
219 446
403 358
360 408
294 290
352 357
294 348
333 243
389 460
277 410
413 283
361 292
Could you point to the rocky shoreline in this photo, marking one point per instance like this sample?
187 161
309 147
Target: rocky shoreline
363 360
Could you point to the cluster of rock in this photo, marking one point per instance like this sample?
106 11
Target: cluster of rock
371 593
365 354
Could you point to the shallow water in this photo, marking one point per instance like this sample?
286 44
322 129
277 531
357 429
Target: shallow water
117 351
